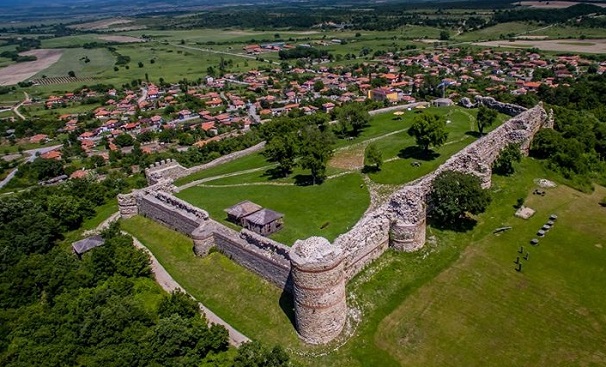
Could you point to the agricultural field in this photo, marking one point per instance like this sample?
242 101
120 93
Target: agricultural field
18 72
594 46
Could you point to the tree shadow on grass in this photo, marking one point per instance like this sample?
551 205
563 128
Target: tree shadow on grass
462 225
416 152
305 180
370 169
274 173
475 134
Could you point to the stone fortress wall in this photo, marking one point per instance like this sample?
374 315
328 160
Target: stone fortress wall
171 169
315 271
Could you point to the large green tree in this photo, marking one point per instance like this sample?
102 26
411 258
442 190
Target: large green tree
352 118
454 195
373 157
486 117
316 150
428 130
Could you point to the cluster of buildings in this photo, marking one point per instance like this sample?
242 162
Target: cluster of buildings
236 101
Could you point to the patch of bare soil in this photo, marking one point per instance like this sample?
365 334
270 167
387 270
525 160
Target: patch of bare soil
554 4
595 46
121 39
349 158
19 72
101 24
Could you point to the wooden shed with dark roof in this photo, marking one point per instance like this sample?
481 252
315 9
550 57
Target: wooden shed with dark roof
241 210
264 221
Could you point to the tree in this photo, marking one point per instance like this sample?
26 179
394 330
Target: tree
503 165
373 157
179 303
71 74
429 130
352 119
454 195
283 149
444 35
124 140
316 150
486 117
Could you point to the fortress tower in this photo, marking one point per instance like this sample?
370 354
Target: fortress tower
319 289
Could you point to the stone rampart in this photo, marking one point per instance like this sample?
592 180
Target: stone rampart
262 256
165 169
171 170
314 270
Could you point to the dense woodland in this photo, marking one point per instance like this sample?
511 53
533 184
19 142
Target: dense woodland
103 309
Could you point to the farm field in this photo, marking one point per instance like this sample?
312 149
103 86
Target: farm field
15 73
461 286
594 46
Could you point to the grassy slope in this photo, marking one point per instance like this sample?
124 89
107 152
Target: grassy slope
218 282
552 313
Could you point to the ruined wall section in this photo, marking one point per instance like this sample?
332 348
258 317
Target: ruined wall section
165 169
401 221
170 169
171 211
263 256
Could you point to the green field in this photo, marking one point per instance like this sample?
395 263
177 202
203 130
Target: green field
326 210
461 286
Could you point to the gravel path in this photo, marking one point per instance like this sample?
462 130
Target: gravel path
166 281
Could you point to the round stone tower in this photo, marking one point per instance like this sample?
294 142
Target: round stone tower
318 289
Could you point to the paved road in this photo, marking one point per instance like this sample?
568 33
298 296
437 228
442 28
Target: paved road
32 156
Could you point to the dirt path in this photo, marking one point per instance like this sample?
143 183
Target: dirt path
18 105
207 179
166 281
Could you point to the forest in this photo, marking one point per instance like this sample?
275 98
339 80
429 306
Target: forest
100 309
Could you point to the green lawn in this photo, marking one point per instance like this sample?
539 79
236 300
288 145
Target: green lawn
255 160
399 150
336 205
243 299
553 313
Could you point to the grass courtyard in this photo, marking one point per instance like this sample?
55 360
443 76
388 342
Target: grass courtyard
335 206
449 303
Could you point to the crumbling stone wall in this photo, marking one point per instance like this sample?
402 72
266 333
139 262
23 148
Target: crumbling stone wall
165 169
170 169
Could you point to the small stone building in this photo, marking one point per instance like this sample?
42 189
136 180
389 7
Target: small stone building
264 222
442 102
241 210
255 218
